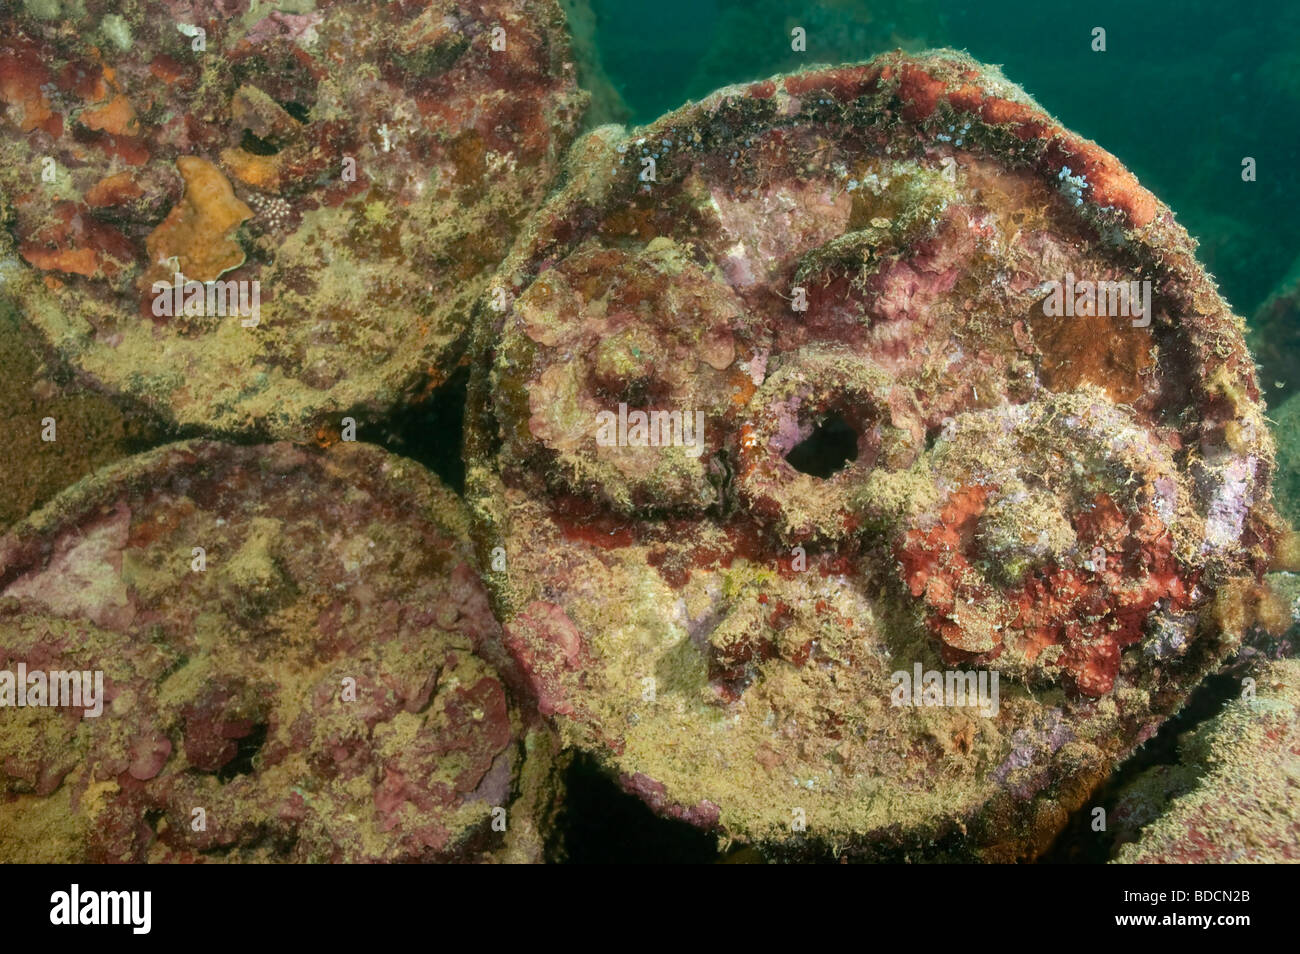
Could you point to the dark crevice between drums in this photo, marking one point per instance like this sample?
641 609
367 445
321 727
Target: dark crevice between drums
431 432
1078 843
600 824
831 446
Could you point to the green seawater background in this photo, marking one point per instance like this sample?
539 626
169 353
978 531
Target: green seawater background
1184 90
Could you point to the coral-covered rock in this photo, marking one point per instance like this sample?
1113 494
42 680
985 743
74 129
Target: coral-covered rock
1287 486
295 643
255 219
1235 797
1275 337
813 389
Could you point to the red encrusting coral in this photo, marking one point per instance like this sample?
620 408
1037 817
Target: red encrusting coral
1091 611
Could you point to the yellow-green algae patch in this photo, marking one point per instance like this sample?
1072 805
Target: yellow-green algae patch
90 429
900 773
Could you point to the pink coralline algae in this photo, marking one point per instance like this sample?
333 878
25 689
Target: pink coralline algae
294 649
914 452
257 221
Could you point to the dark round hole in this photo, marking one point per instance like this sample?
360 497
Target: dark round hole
257 145
242 763
831 446
298 111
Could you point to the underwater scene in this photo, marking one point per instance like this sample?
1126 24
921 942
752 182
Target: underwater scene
585 431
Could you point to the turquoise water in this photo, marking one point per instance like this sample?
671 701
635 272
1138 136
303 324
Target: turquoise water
1184 90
